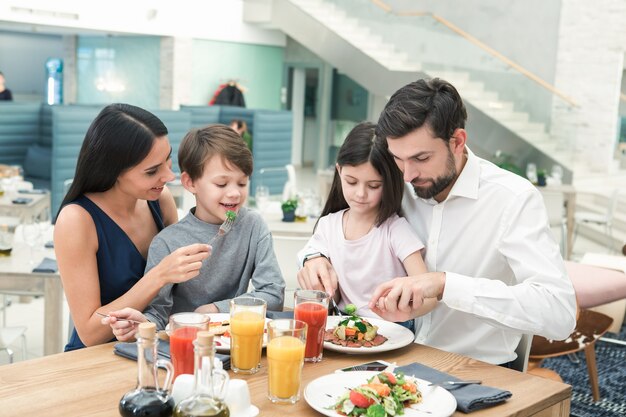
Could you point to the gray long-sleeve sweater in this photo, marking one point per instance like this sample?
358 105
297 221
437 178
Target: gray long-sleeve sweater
244 255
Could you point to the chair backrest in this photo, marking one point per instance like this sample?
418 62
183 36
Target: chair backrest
286 249
555 206
611 206
523 350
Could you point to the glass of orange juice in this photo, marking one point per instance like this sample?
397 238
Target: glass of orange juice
247 325
285 357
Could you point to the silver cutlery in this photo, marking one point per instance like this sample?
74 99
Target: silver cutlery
445 384
106 315
334 308
226 226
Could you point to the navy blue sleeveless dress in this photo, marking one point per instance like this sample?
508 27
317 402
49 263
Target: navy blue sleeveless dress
120 264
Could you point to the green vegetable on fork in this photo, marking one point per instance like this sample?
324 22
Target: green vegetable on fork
226 226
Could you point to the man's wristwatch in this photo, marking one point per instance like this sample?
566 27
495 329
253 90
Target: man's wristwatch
313 256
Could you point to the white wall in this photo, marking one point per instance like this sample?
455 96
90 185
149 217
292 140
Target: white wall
590 62
207 19
22 60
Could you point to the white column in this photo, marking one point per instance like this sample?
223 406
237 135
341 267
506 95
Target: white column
175 72
297 109
376 104
69 69
589 68
326 79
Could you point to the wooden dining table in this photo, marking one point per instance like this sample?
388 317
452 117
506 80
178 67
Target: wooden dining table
91 382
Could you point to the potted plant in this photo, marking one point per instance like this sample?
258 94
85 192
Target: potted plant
289 209
541 177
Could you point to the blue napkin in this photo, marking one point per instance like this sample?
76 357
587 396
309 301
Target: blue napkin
47 265
279 315
468 397
129 351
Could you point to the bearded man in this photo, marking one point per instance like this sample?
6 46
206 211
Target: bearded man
495 266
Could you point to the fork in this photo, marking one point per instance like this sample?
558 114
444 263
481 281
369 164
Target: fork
226 226
106 315
444 384
334 308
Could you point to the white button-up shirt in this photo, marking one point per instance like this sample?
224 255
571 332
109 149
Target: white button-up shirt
504 273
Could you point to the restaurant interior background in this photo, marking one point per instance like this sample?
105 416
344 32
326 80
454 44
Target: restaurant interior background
544 82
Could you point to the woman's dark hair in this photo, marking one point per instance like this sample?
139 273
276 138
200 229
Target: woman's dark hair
119 138
433 102
361 146
199 145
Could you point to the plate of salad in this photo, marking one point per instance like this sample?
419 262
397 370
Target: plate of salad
377 394
362 335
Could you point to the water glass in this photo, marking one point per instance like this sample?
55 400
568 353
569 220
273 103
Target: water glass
7 234
311 307
183 329
285 357
247 326
262 197
30 233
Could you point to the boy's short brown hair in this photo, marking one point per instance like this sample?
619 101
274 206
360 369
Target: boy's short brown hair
200 145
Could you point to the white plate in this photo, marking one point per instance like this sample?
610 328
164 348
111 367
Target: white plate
324 392
222 344
397 336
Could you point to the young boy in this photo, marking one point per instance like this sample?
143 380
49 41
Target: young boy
216 166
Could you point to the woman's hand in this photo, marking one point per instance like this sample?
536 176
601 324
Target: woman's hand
123 329
318 274
183 264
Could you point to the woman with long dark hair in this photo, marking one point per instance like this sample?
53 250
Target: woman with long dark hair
116 204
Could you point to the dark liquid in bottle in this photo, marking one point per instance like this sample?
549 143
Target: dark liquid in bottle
146 403
5 252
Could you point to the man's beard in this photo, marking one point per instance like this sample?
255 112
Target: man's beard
440 183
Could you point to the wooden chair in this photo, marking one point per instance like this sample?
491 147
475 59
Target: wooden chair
590 325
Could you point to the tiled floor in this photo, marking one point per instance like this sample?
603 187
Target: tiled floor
31 313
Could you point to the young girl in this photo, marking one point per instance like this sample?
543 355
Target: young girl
360 229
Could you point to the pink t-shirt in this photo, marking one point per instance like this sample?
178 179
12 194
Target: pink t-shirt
363 264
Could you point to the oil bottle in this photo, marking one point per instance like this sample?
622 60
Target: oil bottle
148 400
210 383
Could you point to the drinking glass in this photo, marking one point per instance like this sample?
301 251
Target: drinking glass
183 329
247 325
30 233
285 357
262 197
311 307
7 234
531 173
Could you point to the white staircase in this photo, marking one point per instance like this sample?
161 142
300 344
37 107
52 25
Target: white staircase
357 34
399 68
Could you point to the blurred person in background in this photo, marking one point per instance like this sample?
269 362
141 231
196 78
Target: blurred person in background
5 93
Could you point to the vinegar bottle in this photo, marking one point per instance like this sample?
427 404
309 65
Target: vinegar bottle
148 400
210 384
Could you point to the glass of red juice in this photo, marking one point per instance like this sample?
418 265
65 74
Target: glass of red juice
182 330
311 307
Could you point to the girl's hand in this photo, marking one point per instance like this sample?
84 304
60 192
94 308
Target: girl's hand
318 274
402 299
184 263
123 329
